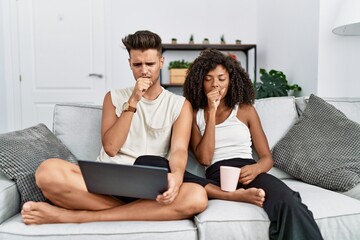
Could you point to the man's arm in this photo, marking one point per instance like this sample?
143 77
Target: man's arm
179 153
114 130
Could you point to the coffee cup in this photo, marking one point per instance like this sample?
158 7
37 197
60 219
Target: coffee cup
229 178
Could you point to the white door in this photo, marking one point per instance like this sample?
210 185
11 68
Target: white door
61 55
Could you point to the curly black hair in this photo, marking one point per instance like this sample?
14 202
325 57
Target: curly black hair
240 90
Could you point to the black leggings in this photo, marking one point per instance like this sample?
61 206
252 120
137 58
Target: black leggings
289 217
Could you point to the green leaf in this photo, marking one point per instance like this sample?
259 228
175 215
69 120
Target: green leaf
273 84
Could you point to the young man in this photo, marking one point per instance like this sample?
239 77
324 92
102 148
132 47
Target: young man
141 125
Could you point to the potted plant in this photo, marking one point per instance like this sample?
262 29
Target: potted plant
273 84
177 70
173 40
206 41
191 39
222 39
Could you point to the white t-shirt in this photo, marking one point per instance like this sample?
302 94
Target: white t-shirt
151 125
232 137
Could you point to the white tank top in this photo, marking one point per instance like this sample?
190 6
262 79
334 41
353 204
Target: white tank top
150 129
232 137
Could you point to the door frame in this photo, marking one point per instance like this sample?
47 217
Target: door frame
11 68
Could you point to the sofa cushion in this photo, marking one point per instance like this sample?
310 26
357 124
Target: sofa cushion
9 198
15 229
349 106
227 219
322 148
21 152
277 115
337 216
78 126
354 192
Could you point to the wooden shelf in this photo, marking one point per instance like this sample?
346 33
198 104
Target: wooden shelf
167 85
199 47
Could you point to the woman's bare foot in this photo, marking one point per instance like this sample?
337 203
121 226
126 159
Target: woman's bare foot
42 213
251 195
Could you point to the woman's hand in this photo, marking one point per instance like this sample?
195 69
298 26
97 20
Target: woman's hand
249 173
214 97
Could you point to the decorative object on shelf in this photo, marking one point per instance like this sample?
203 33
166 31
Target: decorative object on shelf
191 39
173 40
238 41
273 84
177 70
232 55
222 39
206 41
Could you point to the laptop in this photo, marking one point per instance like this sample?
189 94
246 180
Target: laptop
137 181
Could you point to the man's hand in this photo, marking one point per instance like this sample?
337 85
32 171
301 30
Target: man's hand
141 86
214 97
173 189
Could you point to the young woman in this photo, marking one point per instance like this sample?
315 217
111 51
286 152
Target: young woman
225 126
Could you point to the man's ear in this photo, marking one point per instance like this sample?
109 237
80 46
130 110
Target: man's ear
129 62
162 60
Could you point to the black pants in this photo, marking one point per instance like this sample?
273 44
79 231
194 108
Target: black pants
289 217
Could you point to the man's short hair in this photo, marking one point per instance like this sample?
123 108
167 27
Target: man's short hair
142 40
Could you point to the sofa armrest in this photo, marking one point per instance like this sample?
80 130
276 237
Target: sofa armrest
9 198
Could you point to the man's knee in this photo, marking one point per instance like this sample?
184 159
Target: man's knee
48 172
195 200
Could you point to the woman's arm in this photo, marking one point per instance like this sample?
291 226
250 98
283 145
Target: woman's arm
248 115
203 146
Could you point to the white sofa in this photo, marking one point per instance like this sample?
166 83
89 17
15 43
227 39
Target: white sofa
78 127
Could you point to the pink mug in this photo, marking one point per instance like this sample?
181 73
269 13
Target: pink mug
229 178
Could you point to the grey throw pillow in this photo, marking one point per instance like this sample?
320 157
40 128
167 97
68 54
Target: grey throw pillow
21 152
322 148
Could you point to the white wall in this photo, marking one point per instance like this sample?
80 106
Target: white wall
339 56
236 19
288 40
292 36
3 108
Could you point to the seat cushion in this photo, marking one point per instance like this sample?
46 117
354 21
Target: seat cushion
337 216
14 229
226 219
9 198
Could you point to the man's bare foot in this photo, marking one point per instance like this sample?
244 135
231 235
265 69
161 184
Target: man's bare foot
41 213
251 195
